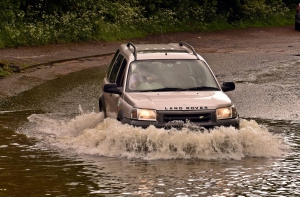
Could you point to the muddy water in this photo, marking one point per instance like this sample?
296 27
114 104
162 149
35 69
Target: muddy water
53 142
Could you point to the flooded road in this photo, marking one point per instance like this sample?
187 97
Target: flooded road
53 142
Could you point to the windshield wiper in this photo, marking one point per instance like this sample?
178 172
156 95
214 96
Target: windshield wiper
203 88
163 89
180 89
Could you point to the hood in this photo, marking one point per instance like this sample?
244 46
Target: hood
192 100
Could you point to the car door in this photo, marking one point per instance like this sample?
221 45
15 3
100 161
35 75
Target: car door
116 76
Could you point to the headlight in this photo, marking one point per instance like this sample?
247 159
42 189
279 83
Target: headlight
143 114
226 113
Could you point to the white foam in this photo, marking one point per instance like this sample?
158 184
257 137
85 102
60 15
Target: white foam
90 133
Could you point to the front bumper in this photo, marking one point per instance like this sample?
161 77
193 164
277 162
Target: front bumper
234 122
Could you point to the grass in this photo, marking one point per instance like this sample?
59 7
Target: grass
5 70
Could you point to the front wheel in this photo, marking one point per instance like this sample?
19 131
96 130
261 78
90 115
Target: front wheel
102 106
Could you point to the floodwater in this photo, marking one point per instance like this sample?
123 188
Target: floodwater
53 142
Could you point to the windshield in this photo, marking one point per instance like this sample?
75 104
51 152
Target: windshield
170 75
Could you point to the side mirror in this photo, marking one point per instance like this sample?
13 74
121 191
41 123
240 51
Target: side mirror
112 88
228 86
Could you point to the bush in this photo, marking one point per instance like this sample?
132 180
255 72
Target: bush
39 22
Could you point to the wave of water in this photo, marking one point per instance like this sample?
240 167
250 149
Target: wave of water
90 133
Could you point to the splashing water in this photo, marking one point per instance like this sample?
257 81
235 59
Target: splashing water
90 133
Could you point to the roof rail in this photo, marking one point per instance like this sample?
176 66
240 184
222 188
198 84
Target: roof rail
189 46
134 49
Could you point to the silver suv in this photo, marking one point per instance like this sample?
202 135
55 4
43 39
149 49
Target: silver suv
165 85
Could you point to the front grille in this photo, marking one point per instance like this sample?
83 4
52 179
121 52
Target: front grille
191 116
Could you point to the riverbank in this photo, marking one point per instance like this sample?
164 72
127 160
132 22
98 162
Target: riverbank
38 64
204 42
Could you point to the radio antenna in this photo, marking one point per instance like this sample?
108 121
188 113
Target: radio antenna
162 35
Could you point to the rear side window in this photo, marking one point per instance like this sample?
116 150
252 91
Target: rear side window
121 74
115 69
112 62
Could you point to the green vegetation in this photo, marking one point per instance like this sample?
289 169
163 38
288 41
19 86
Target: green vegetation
4 69
39 22
4 72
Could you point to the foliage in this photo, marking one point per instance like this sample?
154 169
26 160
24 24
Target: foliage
4 69
3 73
38 22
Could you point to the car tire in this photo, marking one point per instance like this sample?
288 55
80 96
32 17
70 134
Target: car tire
102 106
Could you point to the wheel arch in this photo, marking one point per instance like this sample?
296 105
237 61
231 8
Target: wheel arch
120 115
101 103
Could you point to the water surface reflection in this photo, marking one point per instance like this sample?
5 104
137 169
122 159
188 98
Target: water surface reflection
47 148
37 159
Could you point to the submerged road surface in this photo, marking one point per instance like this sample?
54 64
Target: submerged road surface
54 142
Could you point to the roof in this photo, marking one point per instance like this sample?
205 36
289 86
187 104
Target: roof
159 51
